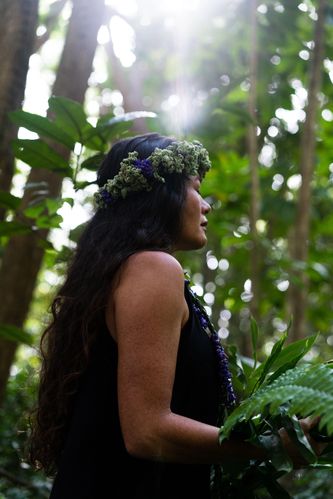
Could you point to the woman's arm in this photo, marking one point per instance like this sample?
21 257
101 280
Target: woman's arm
150 310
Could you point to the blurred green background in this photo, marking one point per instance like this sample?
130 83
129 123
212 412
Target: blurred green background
253 82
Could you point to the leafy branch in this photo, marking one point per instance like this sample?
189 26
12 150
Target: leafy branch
304 390
275 395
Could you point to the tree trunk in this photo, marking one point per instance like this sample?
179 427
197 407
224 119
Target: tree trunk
50 23
253 159
130 83
23 255
18 21
300 244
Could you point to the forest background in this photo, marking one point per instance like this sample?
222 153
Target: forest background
253 81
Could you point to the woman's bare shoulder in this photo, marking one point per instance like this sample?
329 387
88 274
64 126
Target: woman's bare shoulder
153 264
151 284
154 273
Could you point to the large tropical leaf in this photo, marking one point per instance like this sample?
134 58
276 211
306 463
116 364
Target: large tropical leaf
281 359
69 116
38 154
93 162
42 126
110 127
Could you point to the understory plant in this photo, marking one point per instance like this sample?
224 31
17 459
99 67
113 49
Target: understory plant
272 395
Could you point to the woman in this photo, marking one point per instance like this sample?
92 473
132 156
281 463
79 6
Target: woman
133 375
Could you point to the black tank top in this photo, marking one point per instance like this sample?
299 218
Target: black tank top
94 463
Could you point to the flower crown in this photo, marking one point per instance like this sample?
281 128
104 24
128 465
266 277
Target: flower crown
135 174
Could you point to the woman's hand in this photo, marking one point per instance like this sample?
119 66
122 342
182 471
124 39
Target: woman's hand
307 425
298 460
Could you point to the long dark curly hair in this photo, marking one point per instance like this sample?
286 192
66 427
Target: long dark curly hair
146 220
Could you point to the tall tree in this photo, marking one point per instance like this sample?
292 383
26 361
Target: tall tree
300 243
23 254
49 23
128 80
130 84
18 20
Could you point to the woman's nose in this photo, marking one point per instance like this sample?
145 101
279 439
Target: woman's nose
206 207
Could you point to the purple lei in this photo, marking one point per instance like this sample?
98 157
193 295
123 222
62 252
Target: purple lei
224 374
145 166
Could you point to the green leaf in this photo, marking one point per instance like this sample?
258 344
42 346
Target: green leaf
9 201
296 434
93 139
38 154
93 163
42 126
291 355
53 204
83 185
76 233
266 366
13 333
110 127
45 212
68 200
34 210
108 122
49 221
115 131
70 117
286 359
304 390
12 228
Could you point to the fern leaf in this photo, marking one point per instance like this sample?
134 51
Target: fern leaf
304 390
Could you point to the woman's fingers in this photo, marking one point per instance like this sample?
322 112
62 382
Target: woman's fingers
308 423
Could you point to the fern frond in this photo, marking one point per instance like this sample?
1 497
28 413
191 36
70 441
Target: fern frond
304 390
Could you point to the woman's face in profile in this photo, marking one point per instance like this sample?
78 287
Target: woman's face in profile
193 218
